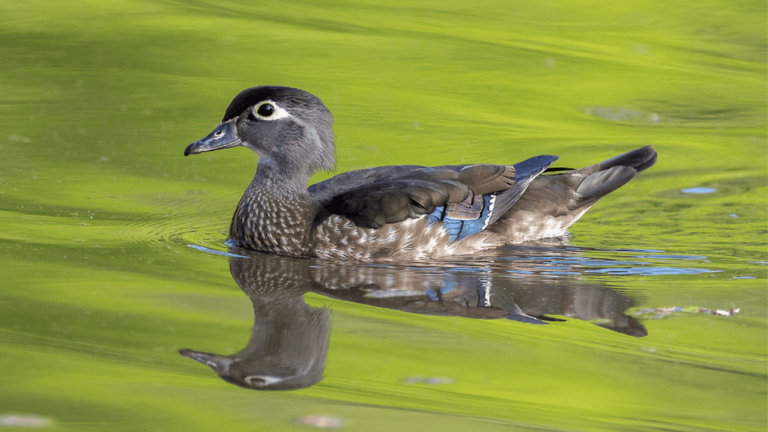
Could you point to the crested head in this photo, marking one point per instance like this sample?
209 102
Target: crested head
290 129
285 125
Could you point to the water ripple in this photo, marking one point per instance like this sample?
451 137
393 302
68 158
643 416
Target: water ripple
652 271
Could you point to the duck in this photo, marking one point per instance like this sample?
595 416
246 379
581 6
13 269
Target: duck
391 213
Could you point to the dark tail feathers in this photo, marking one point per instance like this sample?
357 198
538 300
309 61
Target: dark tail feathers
609 175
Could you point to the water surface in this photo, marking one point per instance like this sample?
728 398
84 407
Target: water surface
614 327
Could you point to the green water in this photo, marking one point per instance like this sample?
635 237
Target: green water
98 206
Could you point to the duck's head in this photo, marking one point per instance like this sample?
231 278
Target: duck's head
259 372
285 126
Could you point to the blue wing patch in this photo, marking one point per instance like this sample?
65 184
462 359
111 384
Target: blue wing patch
465 218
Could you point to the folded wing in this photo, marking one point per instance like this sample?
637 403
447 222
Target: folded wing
374 197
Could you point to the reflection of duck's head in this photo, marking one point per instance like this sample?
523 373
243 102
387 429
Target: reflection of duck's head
286 362
289 341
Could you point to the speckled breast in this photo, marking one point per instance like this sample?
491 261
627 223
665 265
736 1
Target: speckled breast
266 224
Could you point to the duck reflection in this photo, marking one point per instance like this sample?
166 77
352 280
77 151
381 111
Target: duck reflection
289 341
477 293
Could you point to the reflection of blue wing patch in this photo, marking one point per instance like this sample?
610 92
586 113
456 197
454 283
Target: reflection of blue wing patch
465 218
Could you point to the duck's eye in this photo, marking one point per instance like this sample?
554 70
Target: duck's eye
265 110
268 110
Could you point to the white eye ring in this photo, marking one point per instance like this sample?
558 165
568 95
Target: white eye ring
277 114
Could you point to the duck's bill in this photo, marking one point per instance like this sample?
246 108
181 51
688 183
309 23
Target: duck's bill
214 361
224 136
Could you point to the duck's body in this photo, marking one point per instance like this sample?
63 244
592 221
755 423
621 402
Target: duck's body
391 213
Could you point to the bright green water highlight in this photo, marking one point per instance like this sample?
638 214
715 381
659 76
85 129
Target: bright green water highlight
98 205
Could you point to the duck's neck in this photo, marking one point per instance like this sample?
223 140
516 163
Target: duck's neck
276 212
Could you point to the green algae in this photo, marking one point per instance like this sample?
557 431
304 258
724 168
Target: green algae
98 205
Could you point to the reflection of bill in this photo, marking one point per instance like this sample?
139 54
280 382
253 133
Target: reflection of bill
289 341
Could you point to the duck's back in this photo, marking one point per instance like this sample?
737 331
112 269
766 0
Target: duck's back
414 212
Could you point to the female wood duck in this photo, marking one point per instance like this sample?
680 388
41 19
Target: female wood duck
392 213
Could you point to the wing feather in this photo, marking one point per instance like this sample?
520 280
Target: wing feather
374 197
